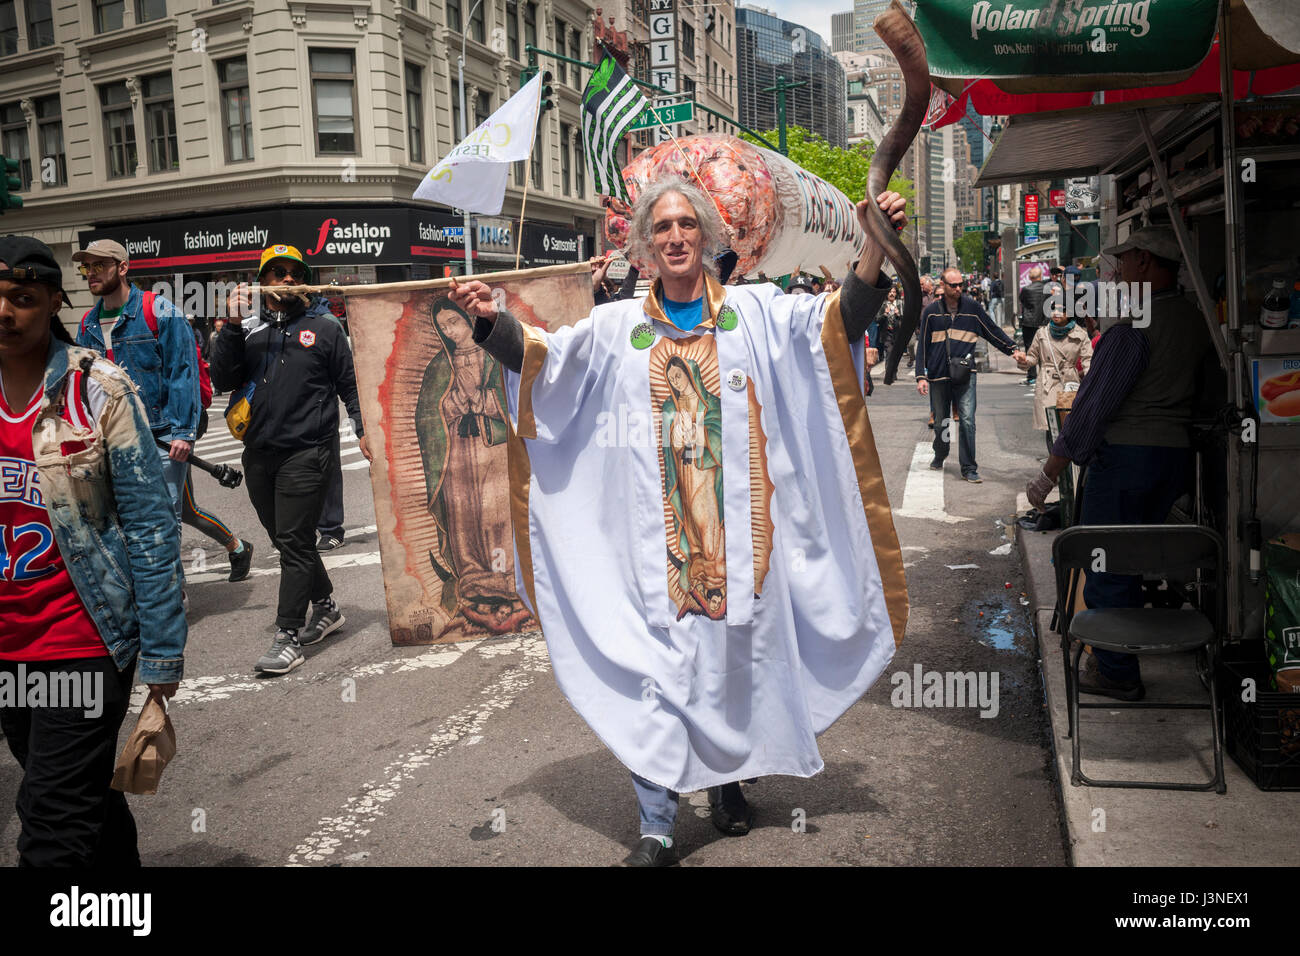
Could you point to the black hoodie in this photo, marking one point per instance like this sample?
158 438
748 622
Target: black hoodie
303 366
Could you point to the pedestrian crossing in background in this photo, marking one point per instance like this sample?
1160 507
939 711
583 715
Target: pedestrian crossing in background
220 448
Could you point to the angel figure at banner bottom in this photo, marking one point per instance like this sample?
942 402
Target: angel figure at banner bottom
461 425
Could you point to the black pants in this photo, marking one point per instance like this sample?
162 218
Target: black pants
331 517
70 816
287 490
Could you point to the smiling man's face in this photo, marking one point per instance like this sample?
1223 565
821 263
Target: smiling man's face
677 238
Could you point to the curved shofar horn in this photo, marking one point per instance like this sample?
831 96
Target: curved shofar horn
902 37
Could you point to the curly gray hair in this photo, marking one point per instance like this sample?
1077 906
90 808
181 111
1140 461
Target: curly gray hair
713 240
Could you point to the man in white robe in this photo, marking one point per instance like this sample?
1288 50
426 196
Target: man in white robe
700 521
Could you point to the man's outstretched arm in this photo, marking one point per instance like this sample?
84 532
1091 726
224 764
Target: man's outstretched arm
864 287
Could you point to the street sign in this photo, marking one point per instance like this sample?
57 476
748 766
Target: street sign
1031 232
618 269
668 115
1082 195
1056 197
978 227
1031 208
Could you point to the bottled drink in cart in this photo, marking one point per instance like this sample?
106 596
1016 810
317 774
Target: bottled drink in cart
1273 313
1293 315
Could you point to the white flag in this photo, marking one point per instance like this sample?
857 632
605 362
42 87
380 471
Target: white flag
473 175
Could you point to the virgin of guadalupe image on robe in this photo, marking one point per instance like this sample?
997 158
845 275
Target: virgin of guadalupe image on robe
691 426
461 426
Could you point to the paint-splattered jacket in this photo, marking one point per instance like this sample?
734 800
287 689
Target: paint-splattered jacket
111 515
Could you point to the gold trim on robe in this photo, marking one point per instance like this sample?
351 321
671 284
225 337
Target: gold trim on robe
866 462
521 472
521 478
714 297
534 356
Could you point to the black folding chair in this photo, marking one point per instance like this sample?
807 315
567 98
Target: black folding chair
1140 549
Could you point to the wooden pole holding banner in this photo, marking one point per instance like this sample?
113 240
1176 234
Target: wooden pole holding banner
381 288
528 175
519 239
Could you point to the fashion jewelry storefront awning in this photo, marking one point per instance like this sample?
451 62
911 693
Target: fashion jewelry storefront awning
393 241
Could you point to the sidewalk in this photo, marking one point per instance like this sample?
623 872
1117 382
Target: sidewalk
1109 827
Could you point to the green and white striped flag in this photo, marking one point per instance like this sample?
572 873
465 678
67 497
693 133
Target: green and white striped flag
610 104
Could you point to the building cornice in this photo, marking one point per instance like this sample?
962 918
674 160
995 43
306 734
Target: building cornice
47 56
164 30
241 10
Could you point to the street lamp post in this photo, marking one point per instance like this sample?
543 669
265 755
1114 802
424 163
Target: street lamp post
460 72
996 131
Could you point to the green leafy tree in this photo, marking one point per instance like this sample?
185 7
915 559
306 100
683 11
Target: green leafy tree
969 247
845 169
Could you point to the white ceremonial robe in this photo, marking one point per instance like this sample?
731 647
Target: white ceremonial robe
694 675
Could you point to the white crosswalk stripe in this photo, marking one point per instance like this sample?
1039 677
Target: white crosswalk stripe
219 448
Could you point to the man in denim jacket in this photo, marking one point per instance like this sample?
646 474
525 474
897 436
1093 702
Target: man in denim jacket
164 367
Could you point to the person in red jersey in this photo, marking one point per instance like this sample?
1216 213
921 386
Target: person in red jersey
90 575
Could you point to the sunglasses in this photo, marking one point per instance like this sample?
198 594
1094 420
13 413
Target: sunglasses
954 285
95 268
297 275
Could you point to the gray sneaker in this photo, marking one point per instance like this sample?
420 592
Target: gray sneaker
285 654
322 622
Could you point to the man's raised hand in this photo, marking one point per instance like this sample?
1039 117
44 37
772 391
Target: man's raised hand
892 204
475 298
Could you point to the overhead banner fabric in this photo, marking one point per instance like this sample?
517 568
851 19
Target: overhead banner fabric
783 218
473 175
434 405
1028 38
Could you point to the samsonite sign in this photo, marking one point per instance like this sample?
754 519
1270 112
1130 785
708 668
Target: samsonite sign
552 245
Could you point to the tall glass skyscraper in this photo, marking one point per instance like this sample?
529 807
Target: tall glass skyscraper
768 47
864 38
842 32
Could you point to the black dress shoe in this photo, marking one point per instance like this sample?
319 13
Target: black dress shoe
651 852
729 811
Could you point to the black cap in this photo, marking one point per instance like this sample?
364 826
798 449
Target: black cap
800 280
24 259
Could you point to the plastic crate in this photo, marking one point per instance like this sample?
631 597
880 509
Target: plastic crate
1253 734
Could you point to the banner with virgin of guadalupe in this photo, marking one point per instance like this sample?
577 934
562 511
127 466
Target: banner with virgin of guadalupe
434 406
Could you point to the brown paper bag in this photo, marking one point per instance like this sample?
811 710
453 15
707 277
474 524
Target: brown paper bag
149 748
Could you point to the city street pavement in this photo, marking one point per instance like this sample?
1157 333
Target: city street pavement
468 754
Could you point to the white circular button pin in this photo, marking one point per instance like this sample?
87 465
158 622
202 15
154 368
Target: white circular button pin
736 379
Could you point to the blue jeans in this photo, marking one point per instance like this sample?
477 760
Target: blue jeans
1129 484
657 805
174 473
943 395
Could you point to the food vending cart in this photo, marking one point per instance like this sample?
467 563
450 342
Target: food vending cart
1216 157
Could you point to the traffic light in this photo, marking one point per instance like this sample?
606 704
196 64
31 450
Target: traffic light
547 93
10 180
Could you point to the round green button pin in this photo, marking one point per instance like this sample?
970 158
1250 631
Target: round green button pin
643 335
727 318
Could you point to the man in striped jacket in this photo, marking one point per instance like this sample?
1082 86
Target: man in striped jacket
949 327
